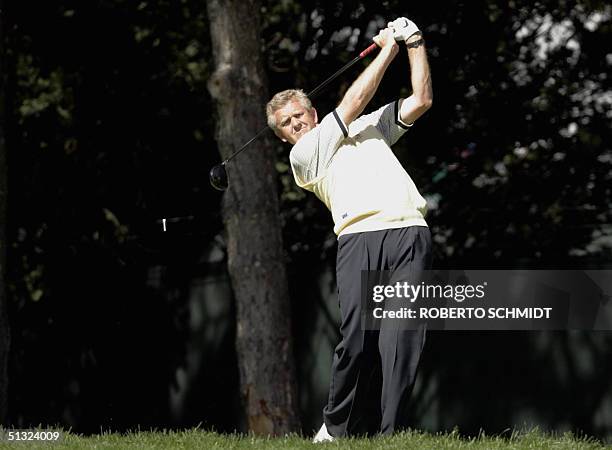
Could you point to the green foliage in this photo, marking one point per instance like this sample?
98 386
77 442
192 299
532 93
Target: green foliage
107 133
45 92
522 165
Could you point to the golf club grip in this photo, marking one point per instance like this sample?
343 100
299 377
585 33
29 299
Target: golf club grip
368 50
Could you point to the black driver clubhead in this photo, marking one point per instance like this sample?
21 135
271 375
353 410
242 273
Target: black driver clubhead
218 177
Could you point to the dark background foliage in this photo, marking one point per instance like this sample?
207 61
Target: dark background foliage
110 128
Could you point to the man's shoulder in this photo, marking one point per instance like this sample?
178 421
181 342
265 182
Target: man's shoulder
327 132
305 146
307 139
358 125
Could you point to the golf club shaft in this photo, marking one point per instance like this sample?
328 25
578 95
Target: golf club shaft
361 55
311 94
259 133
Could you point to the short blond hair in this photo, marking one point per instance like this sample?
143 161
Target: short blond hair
281 99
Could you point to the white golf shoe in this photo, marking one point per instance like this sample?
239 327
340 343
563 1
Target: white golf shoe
323 435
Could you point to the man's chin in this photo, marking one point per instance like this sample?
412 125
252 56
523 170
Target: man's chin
298 136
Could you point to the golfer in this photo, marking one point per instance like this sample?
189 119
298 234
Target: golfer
347 162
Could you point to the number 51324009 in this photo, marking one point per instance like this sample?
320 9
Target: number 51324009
30 435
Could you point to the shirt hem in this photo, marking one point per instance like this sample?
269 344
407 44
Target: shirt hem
377 226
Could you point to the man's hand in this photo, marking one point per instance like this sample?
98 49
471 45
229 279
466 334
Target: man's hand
403 28
386 38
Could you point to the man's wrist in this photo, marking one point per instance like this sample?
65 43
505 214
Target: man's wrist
393 49
414 38
415 41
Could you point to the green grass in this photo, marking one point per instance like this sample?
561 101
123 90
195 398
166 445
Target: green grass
196 439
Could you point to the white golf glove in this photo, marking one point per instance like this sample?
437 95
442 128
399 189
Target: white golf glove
403 28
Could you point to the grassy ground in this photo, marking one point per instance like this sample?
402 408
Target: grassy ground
195 439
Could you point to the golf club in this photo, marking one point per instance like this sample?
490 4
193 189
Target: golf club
218 174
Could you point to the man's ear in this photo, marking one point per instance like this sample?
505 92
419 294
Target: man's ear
316 118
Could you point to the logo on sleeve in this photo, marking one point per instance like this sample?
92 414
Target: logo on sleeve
345 215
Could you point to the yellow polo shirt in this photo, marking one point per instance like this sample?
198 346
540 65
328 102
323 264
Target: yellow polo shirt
356 174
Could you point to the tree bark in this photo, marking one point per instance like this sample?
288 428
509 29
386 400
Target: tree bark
251 216
4 325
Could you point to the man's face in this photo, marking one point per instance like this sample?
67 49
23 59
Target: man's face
293 121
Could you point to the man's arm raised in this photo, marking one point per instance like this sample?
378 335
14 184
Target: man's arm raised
362 90
421 99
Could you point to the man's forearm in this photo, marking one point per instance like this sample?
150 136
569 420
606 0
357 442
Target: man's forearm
362 90
419 68
420 78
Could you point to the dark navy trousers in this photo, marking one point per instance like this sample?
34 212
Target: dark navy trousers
378 364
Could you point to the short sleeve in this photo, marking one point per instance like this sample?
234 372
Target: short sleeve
311 155
387 120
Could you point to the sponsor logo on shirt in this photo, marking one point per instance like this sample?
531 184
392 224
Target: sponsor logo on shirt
345 215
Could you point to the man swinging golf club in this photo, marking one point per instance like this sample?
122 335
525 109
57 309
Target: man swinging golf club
346 161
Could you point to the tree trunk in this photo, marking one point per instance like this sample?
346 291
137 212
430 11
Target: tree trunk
4 326
251 215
